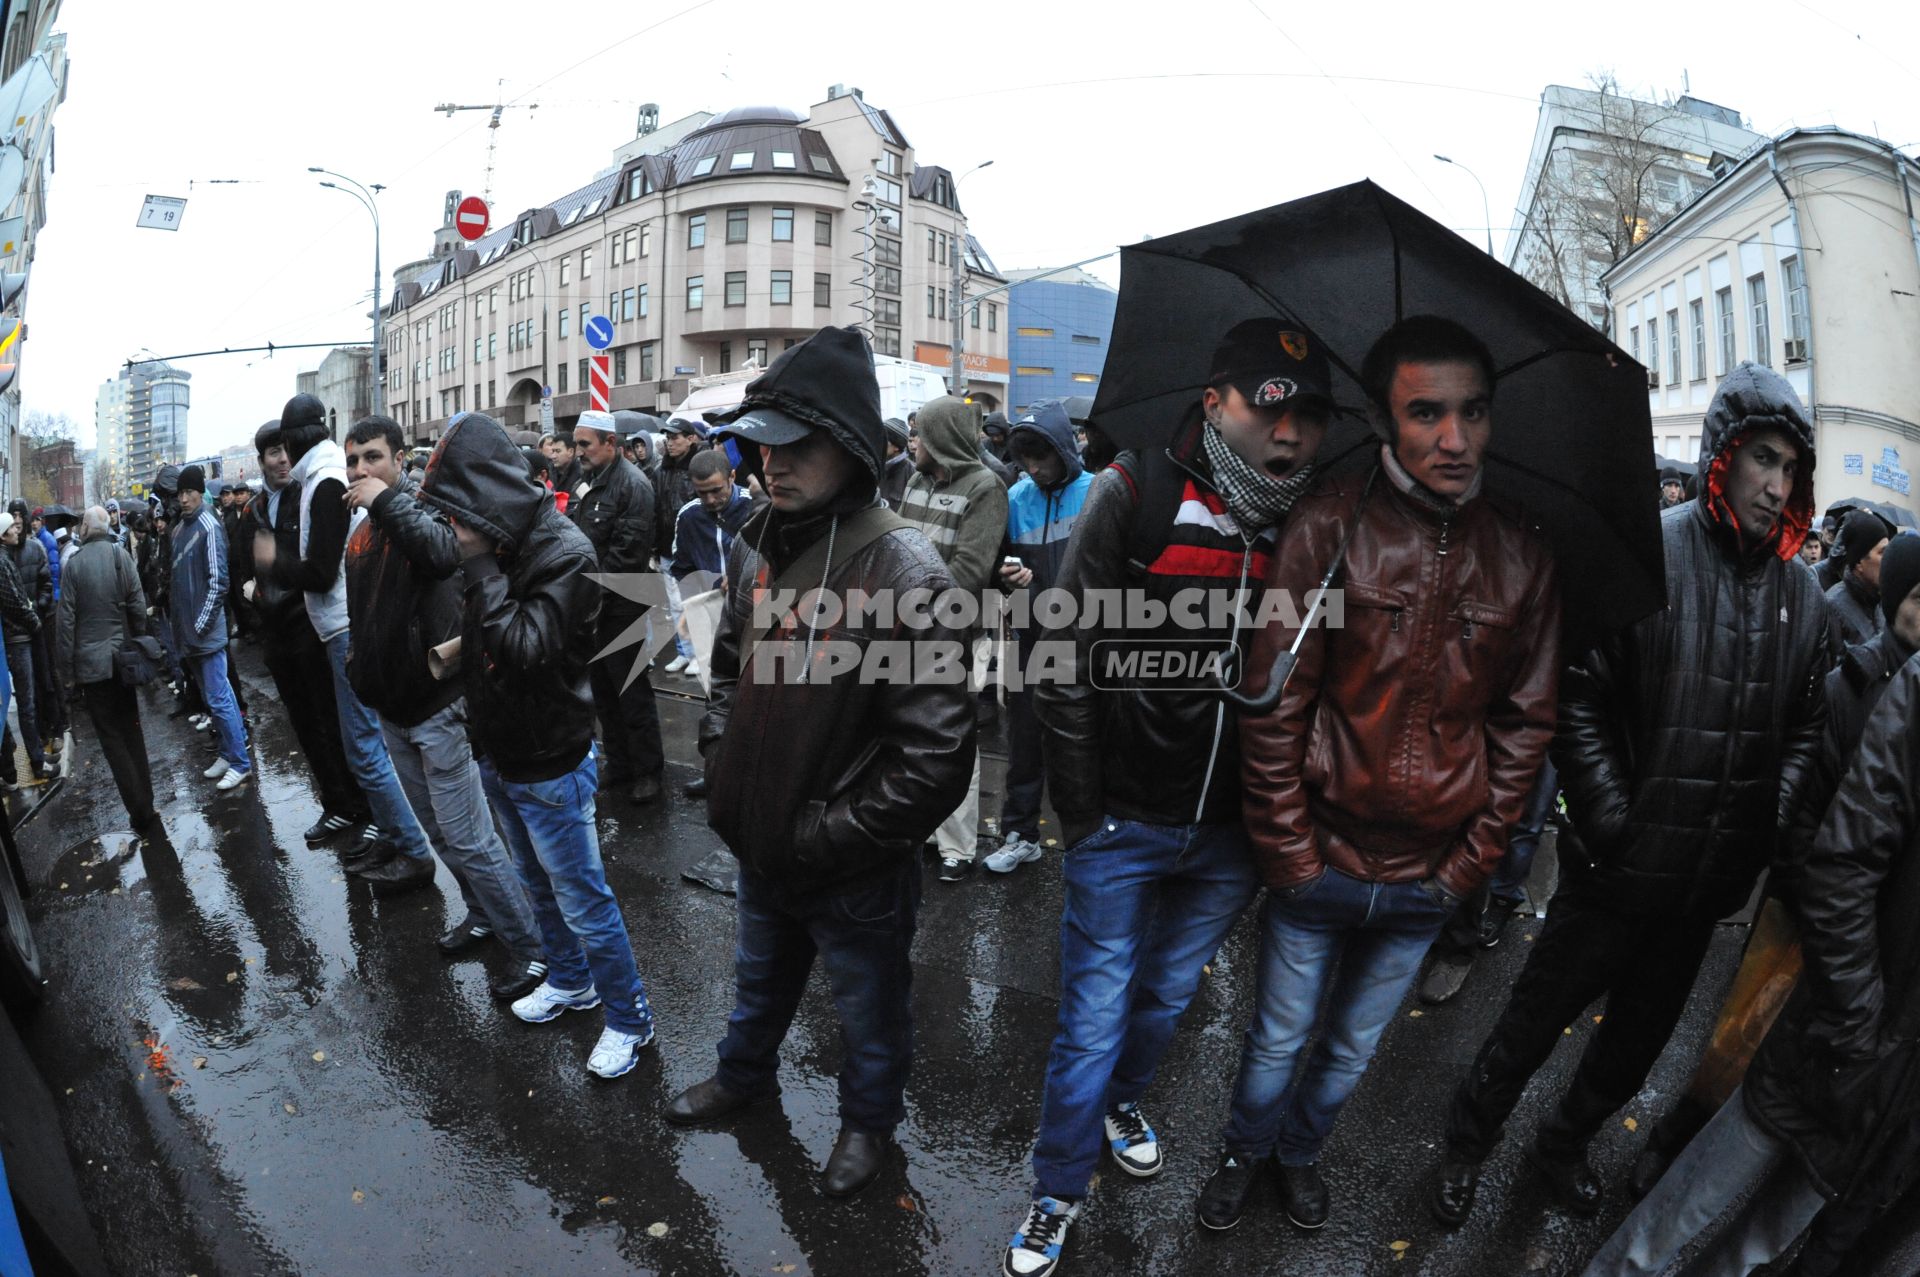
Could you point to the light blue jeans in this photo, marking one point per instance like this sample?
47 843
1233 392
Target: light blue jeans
211 671
366 750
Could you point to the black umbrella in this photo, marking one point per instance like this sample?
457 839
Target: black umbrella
1572 443
57 516
1079 408
628 422
1670 468
1898 516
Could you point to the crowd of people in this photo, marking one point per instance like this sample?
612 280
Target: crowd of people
449 648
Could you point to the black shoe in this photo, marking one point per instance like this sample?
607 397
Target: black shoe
856 1158
696 788
1570 1180
953 869
370 855
465 938
645 790
402 873
1223 1198
519 982
706 1101
326 829
1303 1195
1445 976
1494 919
1450 1200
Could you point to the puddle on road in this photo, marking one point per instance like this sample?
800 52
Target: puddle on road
97 866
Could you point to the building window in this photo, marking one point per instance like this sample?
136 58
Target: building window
1033 332
726 356
1025 370
1086 378
943 303
886 341
823 228
1086 339
741 161
629 303
782 225
493 299
781 290
643 302
889 163
586 382
888 190
613 304
782 159
931 312
822 290
586 262
1697 316
560 378
704 165
697 230
636 183
1795 283
821 161
646 240
646 361
1723 312
696 291
476 350
1673 348
886 251
492 347
736 288
993 317
933 242
886 279
490 393
736 226
566 270
886 310
620 366
565 315
757 351
585 311
1762 352
975 309
479 308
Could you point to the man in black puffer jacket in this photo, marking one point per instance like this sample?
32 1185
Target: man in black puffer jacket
1853 602
1683 746
526 636
823 779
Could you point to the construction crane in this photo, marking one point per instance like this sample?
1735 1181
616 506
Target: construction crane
493 127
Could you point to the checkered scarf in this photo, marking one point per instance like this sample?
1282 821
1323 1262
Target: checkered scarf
1256 499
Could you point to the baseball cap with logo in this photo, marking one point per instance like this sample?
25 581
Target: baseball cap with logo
1272 362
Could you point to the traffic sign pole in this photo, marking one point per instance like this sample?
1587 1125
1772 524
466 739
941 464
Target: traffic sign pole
597 382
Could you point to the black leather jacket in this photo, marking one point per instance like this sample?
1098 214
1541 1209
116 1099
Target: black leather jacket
401 602
282 609
527 629
1684 742
617 515
817 784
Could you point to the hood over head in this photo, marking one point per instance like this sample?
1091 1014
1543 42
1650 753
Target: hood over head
166 481
1049 421
826 383
949 433
477 476
1753 397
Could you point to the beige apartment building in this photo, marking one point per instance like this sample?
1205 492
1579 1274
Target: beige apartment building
1805 257
715 243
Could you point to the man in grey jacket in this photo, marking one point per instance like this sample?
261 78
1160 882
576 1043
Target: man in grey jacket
101 608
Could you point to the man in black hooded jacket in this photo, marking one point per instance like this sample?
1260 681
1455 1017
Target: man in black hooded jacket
824 779
1683 746
1853 602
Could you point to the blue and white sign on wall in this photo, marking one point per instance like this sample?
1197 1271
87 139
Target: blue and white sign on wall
1890 456
1854 463
599 332
1893 477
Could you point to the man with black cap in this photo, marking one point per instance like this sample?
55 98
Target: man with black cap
824 781
295 658
898 467
1144 774
613 505
197 601
1853 603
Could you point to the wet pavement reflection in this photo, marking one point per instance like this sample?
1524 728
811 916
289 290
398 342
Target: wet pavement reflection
264 1069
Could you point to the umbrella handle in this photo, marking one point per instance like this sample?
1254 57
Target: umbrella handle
1276 684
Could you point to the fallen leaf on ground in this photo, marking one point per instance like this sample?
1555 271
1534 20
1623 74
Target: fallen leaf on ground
1598 1018
185 984
358 1197
783 1268
656 1230
606 1201
319 1057
289 1108
905 1203
199 1061
1415 1014
232 976
249 961
1399 1249
1631 1124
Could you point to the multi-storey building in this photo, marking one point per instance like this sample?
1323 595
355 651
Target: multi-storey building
1061 320
1605 169
712 245
344 383
1727 279
33 81
140 420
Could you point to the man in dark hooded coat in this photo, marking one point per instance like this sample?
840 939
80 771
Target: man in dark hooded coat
1683 745
1853 602
824 780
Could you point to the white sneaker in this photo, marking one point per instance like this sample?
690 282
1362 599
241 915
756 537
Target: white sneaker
1013 852
675 665
692 670
218 769
233 780
1135 1147
546 1002
1035 1249
201 722
616 1053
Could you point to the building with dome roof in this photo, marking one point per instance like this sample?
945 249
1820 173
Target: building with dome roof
713 243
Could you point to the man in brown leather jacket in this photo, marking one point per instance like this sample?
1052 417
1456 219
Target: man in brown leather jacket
1379 793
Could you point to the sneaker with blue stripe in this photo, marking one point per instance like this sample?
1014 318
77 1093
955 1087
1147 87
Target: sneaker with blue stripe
1135 1147
1035 1249
615 1054
546 1002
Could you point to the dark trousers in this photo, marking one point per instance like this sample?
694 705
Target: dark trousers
1644 966
50 707
1026 778
862 936
304 679
115 712
20 665
629 720
1508 886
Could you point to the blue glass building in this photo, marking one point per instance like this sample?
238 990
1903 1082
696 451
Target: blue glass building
1058 345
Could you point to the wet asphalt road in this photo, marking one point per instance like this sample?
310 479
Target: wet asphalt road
262 1069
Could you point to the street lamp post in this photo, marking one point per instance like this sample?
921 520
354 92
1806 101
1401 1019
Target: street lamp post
958 260
1486 210
376 366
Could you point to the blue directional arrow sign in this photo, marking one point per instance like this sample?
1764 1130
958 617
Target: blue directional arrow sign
599 332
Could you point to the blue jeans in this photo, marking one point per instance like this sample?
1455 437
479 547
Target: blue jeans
1367 940
1146 908
548 826
366 750
211 673
862 935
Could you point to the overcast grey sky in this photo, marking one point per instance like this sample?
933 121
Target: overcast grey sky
1104 122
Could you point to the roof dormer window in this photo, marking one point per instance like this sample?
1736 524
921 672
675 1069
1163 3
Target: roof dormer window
704 165
741 160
